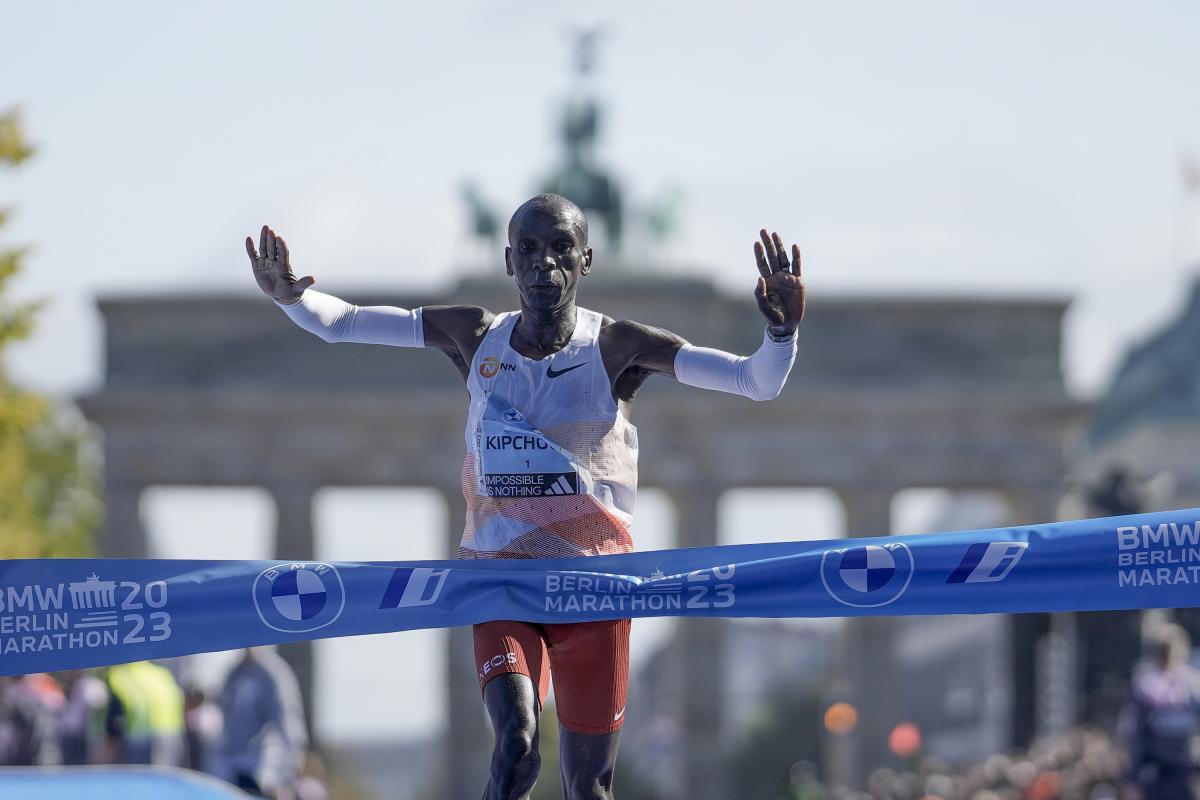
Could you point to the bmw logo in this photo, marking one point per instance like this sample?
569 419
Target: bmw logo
867 576
299 597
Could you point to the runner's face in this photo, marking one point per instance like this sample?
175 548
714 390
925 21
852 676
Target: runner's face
547 255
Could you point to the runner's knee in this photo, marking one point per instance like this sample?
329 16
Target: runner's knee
515 764
587 763
516 745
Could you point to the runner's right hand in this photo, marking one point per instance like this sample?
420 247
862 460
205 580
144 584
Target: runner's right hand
273 270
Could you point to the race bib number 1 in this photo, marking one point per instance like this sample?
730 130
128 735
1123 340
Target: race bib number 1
514 459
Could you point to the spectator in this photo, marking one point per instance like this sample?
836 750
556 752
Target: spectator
202 720
85 696
263 741
29 708
1163 717
145 715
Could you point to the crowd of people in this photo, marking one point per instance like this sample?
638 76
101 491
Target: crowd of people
1084 765
1152 755
250 733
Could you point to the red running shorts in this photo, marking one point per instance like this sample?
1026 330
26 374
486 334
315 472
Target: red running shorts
588 660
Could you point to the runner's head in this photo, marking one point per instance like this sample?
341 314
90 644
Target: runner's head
547 251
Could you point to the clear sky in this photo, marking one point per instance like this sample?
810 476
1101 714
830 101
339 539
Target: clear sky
1016 148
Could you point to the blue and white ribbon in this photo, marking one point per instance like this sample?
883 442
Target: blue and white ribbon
66 613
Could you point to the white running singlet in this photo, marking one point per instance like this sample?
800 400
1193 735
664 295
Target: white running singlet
551 465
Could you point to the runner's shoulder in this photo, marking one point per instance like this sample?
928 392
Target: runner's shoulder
464 321
621 327
629 331
625 342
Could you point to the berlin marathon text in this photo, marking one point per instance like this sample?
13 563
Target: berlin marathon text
60 640
571 592
608 602
1158 555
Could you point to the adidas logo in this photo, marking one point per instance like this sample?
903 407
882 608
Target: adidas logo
560 486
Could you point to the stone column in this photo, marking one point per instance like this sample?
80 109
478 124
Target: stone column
869 679
123 534
467 742
295 541
1045 659
699 660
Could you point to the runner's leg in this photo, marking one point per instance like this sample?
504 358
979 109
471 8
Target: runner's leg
512 704
510 659
588 761
590 665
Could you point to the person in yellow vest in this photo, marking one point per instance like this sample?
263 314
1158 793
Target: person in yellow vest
144 722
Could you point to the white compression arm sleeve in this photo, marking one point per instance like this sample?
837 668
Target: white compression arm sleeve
335 320
759 377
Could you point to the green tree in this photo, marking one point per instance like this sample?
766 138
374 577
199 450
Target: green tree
49 501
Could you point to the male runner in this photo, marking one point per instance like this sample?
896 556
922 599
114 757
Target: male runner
551 465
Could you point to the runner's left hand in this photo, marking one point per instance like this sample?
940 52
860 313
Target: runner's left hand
780 290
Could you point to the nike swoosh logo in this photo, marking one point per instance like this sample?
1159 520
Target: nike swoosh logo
551 372
618 715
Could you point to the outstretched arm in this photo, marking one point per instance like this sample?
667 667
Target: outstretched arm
324 315
760 376
335 320
780 296
448 328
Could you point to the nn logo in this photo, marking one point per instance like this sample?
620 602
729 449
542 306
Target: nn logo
414 586
985 562
490 367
